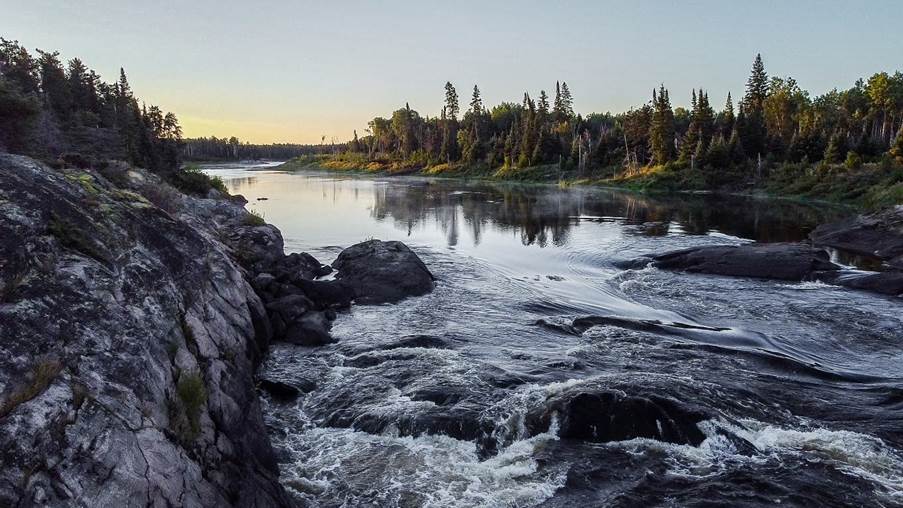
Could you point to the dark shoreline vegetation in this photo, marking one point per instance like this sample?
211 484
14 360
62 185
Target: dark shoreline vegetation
844 146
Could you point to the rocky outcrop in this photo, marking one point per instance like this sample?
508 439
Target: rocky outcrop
129 336
382 272
779 261
783 261
878 235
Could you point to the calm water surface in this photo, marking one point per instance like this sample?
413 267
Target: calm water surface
809 376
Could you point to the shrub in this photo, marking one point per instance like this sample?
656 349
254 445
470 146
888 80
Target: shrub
853 161
191 180
163 196
193 393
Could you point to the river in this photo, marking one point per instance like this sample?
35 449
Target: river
800 384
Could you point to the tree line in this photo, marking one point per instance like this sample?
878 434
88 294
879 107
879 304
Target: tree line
221 149
775 121
51 110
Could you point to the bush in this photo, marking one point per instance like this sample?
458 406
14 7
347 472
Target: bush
853 160
254 218
193 393
191 180
162 196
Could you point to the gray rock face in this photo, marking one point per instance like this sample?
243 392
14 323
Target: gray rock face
783 261
878 235
128 342
383 272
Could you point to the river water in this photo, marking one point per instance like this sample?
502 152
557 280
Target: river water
797 388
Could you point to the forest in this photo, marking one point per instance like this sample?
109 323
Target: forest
67 112
777 135
233 149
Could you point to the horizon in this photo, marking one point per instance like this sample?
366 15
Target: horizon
259 87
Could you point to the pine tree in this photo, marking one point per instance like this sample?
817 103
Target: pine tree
661 134
476 103
543 104
567 102
756 87
557 108
451 102
727 117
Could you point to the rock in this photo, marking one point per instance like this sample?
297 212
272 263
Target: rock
257 246
290 307
311 329
878 235
418 341
783 261
262 281
612 415
286 390
327 293
887 283
383 272
129 339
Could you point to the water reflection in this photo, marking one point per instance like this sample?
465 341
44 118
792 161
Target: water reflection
544 215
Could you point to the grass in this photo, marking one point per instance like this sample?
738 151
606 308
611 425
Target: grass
253 218
42 374
864 185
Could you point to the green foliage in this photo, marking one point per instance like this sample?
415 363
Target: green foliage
254 218
191 180
192 394
47 108
853 161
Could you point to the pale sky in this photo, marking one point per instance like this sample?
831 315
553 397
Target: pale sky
292 71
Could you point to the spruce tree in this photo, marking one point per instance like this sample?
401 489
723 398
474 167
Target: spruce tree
476 102
661 133
727 117
567 102
834 150
451 102
756 87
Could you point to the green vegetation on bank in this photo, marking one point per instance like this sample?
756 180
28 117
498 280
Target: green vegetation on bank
844 145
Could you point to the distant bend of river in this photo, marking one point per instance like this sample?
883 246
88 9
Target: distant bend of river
808 376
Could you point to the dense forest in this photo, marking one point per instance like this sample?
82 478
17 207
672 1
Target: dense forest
775 127
54 111
222 149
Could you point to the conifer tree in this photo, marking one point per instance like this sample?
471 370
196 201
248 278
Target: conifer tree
451 102
661 135
567 102
834 150
896 150
476 103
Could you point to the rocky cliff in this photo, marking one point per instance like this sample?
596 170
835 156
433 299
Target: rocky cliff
129 335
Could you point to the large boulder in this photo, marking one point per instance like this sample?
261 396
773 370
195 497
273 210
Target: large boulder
383 272
603 415
878 235
783 261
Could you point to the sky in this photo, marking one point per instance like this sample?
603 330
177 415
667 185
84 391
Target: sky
295 71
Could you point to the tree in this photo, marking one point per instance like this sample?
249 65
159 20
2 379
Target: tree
727 119
451 102
567 102
753 130
896 150
661 134
834 150
476 103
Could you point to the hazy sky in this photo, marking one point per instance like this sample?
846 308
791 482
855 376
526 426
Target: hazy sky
293 71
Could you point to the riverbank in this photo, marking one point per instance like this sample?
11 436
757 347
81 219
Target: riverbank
864 187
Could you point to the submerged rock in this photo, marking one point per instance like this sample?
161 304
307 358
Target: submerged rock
383 272
783 261
599 414
878 235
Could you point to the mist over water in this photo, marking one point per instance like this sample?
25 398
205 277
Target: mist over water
800 386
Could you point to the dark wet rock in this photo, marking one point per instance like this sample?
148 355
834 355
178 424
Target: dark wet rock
262 281
129 341
887 283
290 307
284 387
878 235
417 341
295 266
383 272
327 293
257 246
783 261
310 329
612 415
